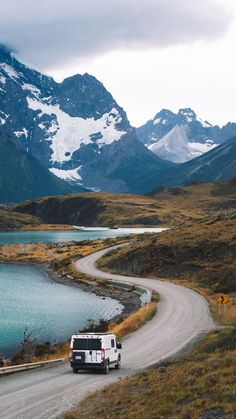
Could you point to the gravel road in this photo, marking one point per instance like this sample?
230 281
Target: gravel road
46 393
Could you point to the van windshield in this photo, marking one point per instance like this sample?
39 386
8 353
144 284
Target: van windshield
87 344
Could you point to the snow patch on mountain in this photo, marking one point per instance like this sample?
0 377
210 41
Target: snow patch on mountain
199 148
69 175
175 146
2 79
188 114
20 133
30 88
204 124
9 71
67 133
159 121
3 117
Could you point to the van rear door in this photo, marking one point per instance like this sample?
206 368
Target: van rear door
94 347
91 348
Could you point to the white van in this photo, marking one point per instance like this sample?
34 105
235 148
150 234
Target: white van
93 350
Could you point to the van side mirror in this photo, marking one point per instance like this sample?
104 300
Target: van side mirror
119 345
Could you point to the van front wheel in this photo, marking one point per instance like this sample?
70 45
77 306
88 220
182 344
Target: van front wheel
106 367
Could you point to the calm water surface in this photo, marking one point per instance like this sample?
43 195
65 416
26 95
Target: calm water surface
51 310
64 236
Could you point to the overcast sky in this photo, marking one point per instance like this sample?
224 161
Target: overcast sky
150 54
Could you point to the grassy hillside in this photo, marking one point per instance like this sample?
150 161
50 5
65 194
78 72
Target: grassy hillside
201 249
165 206
95 209
201 252
16 221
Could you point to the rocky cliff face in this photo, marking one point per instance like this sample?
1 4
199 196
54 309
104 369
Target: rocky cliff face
22 176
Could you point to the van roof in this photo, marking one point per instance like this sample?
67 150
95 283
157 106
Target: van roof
93 334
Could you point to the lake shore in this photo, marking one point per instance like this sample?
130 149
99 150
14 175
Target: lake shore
64 274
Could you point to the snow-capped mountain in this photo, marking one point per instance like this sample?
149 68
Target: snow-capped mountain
218 164
74 128
183 136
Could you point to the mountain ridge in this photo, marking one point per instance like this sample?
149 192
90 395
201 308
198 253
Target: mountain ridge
75 128
215 165
161 135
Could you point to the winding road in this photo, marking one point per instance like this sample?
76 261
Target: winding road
46 393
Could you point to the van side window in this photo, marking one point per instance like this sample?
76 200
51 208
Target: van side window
112 343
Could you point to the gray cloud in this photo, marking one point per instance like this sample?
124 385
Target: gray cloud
59 31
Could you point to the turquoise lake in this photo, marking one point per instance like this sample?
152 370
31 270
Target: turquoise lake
52 311
60 236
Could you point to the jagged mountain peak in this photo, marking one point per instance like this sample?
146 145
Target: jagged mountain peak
164 117
164 112
75 128
187 115
187 112
182 136
14 71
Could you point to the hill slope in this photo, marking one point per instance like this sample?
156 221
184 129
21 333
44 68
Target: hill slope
22 177
201 244
94 209
217 164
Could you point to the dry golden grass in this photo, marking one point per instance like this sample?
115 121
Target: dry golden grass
135 320
105 209
16 221
48 227
50 252
184 389
193 203
204 253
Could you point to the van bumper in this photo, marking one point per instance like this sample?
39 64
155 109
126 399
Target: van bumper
86 365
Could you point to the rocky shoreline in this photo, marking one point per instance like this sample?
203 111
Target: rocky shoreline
130 299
